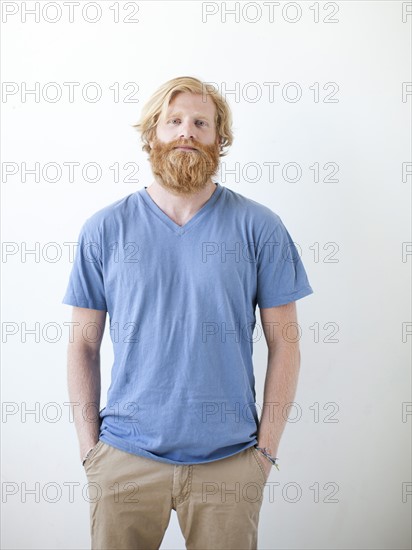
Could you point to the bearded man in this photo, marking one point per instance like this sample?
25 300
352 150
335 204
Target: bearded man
179 266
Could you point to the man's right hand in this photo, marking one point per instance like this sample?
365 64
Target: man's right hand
85 453
83 374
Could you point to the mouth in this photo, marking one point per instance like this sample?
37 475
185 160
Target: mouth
186 148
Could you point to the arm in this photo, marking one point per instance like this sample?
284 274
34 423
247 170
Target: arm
83 374
281 375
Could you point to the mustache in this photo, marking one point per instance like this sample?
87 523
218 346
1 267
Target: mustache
193 144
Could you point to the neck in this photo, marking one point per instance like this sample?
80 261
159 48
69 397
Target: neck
180 207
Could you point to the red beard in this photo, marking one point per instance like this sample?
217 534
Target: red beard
184 172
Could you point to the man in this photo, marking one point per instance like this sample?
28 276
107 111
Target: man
180 266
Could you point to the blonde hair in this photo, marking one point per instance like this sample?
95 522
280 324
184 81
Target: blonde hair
159 102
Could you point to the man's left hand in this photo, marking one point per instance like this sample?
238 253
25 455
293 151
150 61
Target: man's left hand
267 466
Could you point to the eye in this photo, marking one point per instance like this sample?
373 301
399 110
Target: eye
173 120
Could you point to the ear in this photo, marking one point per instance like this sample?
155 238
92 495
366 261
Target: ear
151 139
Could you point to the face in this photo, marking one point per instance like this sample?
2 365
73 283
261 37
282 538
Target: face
185 151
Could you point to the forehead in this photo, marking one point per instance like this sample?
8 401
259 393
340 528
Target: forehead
197 105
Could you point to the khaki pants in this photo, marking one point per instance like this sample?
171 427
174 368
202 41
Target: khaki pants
131 499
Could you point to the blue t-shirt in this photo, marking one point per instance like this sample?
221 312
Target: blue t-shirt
181 302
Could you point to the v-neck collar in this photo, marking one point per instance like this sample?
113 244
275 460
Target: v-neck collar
180 229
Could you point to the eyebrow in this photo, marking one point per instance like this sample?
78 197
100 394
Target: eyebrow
197 115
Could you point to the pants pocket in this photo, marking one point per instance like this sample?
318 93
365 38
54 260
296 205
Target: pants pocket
92 453
256 457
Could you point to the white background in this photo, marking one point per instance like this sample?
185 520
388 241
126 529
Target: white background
350 233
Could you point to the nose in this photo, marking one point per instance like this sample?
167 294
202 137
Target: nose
187 130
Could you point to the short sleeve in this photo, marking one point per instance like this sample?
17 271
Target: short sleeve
86 282
281 277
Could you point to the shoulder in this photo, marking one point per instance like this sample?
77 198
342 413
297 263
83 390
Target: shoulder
255 212
110 217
